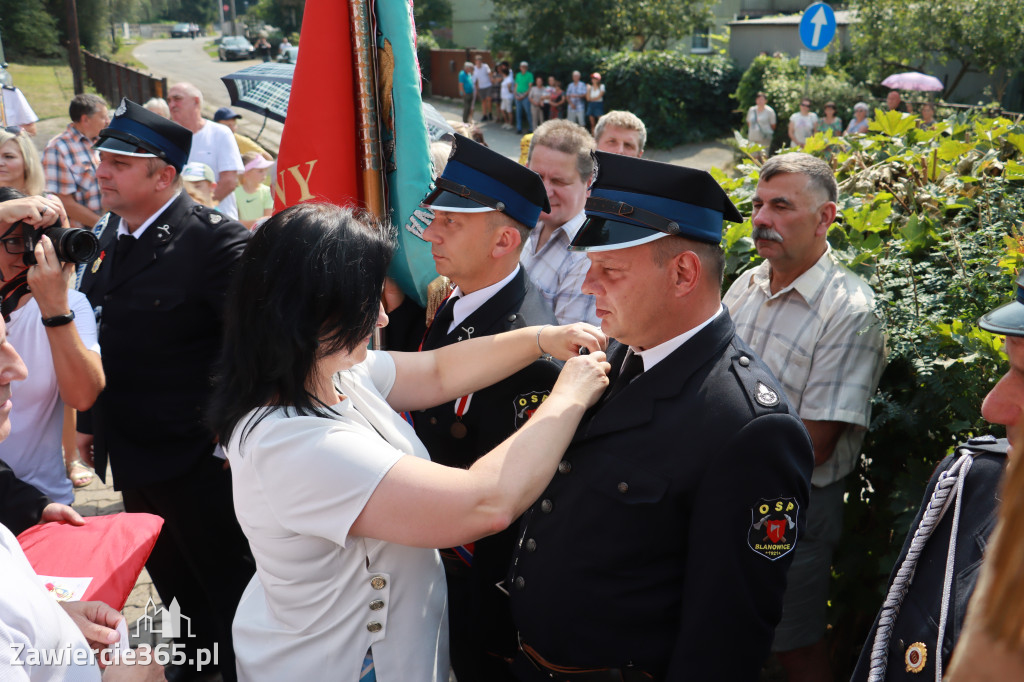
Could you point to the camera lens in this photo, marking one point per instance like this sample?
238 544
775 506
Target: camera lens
73 245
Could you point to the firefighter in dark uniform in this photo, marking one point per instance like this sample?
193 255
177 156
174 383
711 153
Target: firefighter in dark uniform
660 549
158 289
484 206
962 495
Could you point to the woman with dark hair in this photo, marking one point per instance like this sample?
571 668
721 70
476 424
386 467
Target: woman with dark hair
338 498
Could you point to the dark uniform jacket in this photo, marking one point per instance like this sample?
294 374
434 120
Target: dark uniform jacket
497 411
492 416
21 503
918 620
160 312
663 542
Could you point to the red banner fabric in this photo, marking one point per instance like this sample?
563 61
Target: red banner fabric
318 147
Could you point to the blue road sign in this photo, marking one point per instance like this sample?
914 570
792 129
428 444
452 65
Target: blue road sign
817 26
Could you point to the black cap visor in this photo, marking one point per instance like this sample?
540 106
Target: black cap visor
456 198
602 234
120 142
1006 320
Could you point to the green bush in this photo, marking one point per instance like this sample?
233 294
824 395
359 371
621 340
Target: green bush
680 97
932 220
28 30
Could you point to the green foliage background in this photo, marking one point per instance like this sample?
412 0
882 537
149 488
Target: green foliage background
979 36
537 27
932 220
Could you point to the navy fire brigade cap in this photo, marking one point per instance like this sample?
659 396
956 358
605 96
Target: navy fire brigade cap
1007 320
633 201
136 131
477 180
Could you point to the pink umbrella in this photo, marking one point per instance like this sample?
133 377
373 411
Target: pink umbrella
912 80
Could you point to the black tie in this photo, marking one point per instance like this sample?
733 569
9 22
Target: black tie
632 367
125 243
439 327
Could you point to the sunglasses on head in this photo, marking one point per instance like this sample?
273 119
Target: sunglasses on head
13 130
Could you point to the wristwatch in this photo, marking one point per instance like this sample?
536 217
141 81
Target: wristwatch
58 320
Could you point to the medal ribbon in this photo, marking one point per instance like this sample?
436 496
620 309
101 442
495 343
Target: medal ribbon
462 404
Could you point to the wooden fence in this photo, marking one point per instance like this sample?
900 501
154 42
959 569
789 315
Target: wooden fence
115 81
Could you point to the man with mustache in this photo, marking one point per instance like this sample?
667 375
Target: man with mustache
812 321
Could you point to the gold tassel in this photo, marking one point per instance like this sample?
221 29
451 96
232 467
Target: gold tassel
437 292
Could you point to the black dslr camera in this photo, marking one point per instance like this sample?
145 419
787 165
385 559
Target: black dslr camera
71 244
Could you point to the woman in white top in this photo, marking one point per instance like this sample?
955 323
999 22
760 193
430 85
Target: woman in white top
508 88
761 121
595 100
55 331
339 499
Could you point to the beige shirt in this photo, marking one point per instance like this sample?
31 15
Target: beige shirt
821 338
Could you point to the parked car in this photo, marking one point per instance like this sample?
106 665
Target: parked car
234 47
289 56
180 31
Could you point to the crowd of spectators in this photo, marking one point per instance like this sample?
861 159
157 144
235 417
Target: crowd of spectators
526 100
761 119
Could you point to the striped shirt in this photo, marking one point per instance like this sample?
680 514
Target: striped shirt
559 272
821 338
70 165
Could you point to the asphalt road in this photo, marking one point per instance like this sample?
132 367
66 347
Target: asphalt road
183 59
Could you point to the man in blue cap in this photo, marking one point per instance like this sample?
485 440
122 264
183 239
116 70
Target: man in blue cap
158 290
484 207
660 550
922 617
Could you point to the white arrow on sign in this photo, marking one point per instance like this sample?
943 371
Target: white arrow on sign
819 21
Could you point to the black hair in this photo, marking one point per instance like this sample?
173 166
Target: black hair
308 285
8 194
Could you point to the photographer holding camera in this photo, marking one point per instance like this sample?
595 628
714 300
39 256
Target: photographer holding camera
55 331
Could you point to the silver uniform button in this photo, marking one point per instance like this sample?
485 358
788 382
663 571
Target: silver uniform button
519 582
546 506
374 626
744 361
564 466
376 605
378 582
623 487
531 545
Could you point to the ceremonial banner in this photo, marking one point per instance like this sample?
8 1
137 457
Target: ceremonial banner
406 146
318 147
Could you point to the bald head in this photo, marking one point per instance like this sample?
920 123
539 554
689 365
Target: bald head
186 103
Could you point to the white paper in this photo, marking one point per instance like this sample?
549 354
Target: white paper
65 589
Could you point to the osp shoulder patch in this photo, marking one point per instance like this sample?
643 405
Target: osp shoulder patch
525 404
772 532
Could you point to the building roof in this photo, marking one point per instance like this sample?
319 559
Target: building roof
843 17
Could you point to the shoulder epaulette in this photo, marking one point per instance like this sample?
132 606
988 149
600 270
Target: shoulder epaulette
760 387
985 445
